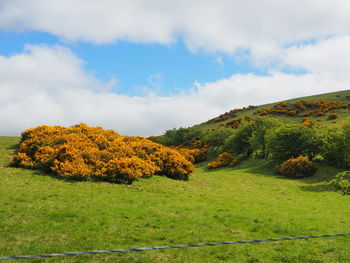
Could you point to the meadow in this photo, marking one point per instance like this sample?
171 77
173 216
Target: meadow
40 213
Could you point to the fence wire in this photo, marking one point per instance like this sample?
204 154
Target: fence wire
167 247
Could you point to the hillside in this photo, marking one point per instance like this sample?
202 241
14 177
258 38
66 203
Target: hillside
43 214
340 102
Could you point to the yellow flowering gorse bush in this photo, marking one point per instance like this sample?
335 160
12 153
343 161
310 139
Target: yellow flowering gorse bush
297 167
224 159
81 152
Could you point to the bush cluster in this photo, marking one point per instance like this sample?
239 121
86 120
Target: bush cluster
236 123
306 122
81 152
230 114
305 108
195 151
224 159
298 167
290 141
176 137
335 145
342 182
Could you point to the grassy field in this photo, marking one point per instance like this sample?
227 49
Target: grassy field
42 214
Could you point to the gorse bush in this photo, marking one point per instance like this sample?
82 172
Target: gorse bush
305 108
230 114
82 152
194 150
342 182
306 122
298 167
224 159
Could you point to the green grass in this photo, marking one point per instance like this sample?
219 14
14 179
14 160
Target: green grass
339 96
42 214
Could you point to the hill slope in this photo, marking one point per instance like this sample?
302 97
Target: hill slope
335 102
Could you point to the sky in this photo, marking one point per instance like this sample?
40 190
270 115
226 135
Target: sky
144 67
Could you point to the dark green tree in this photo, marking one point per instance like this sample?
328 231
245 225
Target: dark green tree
293 140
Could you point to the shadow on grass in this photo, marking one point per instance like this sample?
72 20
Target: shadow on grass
319 188
13 147
74 179
249 165
320 182
92 179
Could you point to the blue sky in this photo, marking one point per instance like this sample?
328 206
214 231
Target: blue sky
143 67
164 68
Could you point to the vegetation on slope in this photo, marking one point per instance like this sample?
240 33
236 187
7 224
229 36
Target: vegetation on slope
319 109
292 132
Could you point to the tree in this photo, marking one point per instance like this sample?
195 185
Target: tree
215 139
239 142
336 145
181 135
258 139
291 141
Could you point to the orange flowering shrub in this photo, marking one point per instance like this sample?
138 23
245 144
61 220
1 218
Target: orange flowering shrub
305 108
236 123
230 114
85 152
128 169
306 122
224 159
189 154
297 167
195 150
22 159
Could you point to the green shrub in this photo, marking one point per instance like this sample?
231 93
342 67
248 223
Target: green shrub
180 136
335 146
342 182
290 141
298 167
215 139
239 142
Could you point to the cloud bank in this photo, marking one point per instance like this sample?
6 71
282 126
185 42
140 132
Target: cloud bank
48 85
226 25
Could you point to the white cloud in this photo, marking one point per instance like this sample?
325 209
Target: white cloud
329 57
226 25
47 85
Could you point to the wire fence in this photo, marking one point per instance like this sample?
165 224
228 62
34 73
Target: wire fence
167 247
